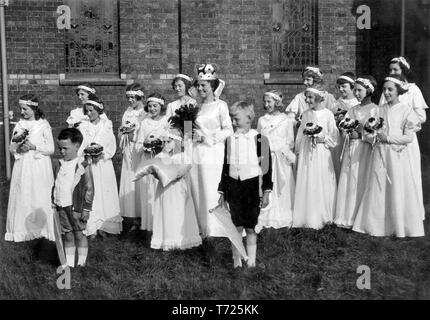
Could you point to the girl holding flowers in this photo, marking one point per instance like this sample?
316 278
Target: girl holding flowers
99 146
391 203
129 192
29 211
148 144
316 178
278 128
355 153
182 85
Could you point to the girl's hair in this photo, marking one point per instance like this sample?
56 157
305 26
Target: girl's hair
213 83
348 74
400 89
38 113
278 103
135 87
73 134
372 80
158 96
242 106
311 73
319 87
94 98
405 70
187 83
86 84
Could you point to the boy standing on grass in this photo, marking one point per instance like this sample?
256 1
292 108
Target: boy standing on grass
240 179
72 195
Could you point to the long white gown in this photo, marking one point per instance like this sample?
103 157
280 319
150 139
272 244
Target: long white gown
175 222
175 105
129 191
279 130
315 198
105 215
215 125
355 162
415 99
148 184
391 203
29 212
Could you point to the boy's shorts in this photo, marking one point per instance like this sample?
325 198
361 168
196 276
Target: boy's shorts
71 220
243 198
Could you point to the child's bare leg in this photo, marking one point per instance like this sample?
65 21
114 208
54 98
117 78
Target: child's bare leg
251 246
69 248
237 260
82 244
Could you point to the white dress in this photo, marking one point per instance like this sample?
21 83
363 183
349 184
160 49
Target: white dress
315 198
279 130
175 223
77 115
215 125
129 191
415 99
29 212
355 162
173 106
391 203
105 215
148 184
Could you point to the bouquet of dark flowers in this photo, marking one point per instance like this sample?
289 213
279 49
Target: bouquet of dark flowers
128 127
348 125
312 130
185 113
20 136
153 145
373 125
94 152
339 115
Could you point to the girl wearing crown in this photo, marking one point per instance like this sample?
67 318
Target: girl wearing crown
391 203
214 126
413 97
182 85
312 76
129 192
148 144
174 219
77 115
99 146
316 178
278 128
355 153
29 211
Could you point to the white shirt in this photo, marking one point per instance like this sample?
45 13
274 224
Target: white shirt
64 183
243 158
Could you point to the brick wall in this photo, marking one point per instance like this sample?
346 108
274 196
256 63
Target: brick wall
234 34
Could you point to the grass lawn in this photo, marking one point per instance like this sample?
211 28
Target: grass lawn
292 264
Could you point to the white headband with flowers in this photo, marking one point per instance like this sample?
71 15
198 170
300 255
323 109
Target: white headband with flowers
366 83
183 76
273 95
400 83
28 102
94 103
154 99
135 93
316 91
315 70
93 91
346 78
402 61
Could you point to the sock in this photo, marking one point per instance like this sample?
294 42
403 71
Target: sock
251 249
82 256
70 256
237 260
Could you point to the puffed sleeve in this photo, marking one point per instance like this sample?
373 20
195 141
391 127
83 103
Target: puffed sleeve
46 146
106 138
418 103
409 127
292 109
226 127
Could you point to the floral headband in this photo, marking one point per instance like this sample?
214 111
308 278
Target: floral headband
29 102
135 93
94 103
397 81
316 91
346 78
366 83
93 91
154 99
402 61
314 70
273 95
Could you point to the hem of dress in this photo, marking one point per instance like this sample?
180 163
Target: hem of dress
388 235
21 237
275 224
172 245
318 227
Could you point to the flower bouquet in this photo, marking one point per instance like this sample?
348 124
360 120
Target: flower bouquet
348 125
20 136
128 127
153 145
373 125
312 130
94 151
185 113
339 115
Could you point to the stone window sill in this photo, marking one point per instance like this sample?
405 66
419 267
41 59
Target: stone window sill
288 78
98 80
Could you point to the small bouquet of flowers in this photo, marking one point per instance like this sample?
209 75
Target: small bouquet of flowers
153 145
339 115
348 125
94 151
20 136
312 130
185 113
128 127
373 125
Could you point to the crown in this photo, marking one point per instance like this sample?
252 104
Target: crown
206 71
